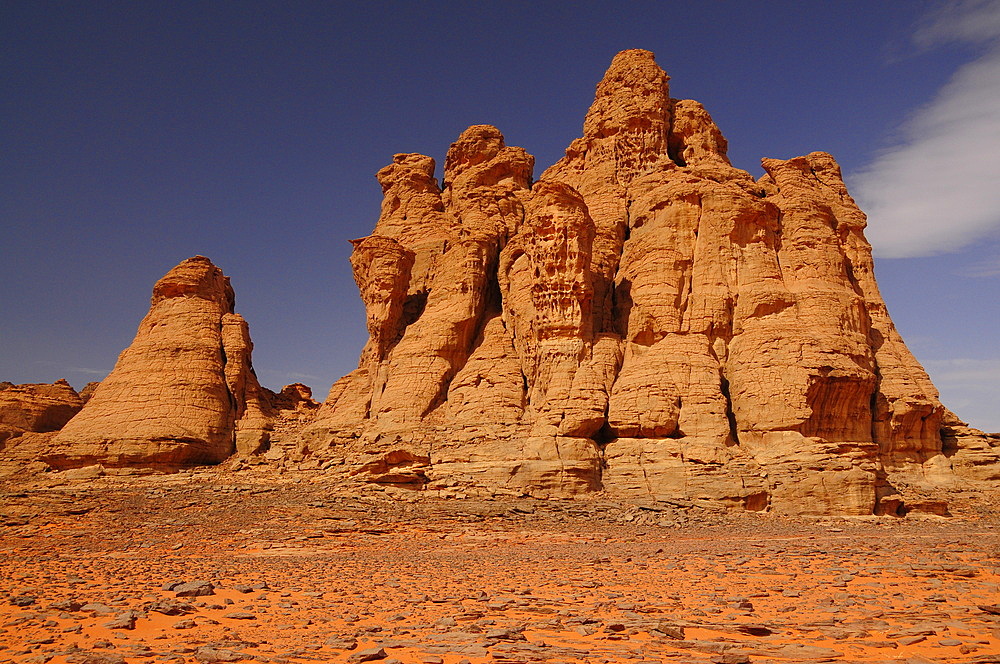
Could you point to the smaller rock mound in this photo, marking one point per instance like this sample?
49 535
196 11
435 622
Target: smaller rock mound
183 393
30 414
35 408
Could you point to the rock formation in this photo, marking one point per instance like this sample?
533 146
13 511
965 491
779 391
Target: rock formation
184 392
88 390
644 319
30 415
35 408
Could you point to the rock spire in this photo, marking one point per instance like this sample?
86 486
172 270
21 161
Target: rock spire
182 393
645 319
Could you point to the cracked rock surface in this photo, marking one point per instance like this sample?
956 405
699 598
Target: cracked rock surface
644 319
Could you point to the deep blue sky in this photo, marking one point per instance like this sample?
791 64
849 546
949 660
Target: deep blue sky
136 134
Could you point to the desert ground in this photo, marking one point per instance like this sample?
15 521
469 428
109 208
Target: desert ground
219 566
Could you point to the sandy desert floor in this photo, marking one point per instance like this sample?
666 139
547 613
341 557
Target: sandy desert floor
294 571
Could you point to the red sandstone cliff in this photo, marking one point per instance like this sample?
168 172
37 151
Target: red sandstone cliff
644 319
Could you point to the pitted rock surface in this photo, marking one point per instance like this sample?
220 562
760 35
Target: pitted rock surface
645 319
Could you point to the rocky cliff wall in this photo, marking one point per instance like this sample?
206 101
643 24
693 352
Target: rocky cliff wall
643 319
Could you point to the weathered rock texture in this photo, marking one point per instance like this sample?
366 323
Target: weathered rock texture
644 319
30 415
35 408
184 392
88 391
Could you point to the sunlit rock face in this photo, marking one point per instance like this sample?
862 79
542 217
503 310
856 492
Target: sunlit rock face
644 320
183 393
35 408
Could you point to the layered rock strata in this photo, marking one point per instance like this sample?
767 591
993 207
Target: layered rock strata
645 319
35 408
183 393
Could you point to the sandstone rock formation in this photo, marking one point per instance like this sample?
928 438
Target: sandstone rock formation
88 390
30 415
35 408
644 319
184 392
289 410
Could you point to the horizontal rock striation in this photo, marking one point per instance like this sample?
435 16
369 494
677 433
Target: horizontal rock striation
183 393
645 319
35 408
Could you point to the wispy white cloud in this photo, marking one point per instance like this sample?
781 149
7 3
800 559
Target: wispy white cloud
937 189
295 375
80 370
960 20
965 371
91 372
989 267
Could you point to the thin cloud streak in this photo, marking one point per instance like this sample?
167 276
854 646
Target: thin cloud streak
982 269
936 191
301 376
970 21
81 370
965 371
92 372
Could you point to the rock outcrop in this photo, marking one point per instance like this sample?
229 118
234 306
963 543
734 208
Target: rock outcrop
88 391
30 415
35 408
183 393
645 319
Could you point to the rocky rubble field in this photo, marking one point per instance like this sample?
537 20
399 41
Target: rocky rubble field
215 566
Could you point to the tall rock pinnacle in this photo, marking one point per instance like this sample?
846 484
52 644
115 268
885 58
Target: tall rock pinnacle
644 319
182 393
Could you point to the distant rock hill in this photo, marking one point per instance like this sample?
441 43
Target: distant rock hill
643 320
183 393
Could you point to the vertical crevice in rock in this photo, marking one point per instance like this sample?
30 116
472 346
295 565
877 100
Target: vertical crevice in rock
644 319
734 433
